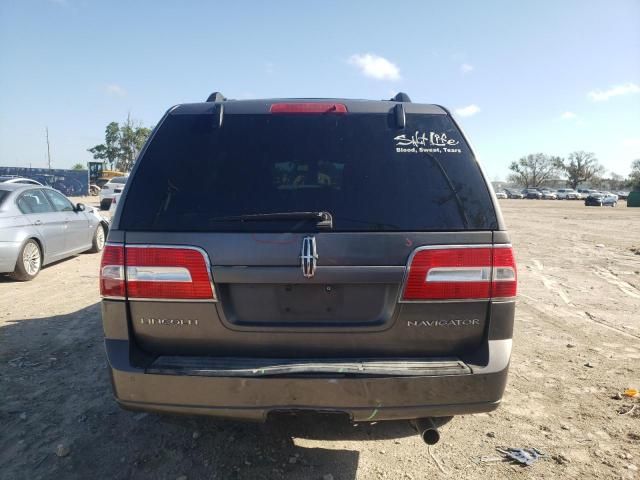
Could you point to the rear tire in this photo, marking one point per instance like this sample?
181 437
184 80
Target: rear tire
99 237
29 262
105 204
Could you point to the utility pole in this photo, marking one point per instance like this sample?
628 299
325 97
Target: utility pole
48 150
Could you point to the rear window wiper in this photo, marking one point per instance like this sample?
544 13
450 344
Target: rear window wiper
323 219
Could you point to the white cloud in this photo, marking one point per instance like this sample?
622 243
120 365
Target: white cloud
375 66
269 68
466 68
568 116
467 111
115 90
604 95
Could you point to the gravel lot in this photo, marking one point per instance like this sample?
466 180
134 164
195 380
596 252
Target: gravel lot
577 344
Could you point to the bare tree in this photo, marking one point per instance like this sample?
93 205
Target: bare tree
132 138
616 181
534 170
581 167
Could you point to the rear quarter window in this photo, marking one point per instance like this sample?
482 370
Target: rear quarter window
369 175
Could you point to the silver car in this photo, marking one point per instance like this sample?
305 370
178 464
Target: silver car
39 225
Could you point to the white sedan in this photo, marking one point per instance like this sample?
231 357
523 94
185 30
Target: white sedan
114 203
110 189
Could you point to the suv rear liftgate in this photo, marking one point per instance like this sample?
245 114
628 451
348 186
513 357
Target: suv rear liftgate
292 255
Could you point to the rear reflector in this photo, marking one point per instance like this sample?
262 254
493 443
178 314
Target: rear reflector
505 278
159 273
307 108
112 272
475 272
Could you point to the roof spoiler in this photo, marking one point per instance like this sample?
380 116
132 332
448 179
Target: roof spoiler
218 108
399 115
400 97
216 97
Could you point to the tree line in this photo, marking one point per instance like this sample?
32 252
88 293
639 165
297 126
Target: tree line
122 143
538 169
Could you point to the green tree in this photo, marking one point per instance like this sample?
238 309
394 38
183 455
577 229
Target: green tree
534 170
78 166
109 151
122 144
581 167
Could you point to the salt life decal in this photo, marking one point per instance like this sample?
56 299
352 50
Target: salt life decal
423 142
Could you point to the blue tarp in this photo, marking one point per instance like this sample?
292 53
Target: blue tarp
73 183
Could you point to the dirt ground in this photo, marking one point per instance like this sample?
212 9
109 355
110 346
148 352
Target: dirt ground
577 344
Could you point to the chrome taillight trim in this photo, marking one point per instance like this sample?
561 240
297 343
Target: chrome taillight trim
459 274
158 274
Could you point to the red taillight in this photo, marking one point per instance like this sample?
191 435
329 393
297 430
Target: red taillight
445 273
167 273
163 273
308 108
112 272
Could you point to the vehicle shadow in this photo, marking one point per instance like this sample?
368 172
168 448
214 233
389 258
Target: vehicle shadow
55 390
5 278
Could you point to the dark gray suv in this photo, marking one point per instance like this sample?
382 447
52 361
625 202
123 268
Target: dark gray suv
309 255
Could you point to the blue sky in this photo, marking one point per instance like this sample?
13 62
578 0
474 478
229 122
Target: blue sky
545 76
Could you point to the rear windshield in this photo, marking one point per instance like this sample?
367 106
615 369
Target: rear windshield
118 180
366 173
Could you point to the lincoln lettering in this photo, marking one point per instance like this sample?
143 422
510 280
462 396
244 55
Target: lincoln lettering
172 322
466 322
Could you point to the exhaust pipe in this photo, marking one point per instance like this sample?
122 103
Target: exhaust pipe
427 430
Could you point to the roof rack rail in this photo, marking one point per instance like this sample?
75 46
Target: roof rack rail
401 97
216 97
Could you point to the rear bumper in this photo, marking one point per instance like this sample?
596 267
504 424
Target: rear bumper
362 398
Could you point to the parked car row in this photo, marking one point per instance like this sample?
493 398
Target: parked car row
105 189
562 194
599 199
